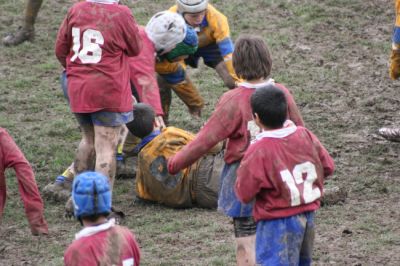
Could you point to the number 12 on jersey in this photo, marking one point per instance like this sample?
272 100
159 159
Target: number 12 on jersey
91 51
294 179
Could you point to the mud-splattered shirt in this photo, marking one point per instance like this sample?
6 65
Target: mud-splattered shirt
143 74
105 244
284 171
232 120
12 157
93 44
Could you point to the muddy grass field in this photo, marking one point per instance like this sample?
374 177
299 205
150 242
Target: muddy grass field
332 54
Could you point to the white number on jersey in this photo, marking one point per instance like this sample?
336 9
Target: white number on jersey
91 50
294 179
128 262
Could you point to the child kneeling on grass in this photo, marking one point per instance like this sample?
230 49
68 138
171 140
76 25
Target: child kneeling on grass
283 170
101 242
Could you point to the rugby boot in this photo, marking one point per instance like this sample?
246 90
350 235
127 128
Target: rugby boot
391 134
60 190
20 36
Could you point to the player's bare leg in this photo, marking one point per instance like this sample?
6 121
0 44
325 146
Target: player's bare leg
27 31
84 159
86 154
106 140
245 250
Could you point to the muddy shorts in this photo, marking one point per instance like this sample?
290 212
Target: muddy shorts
206 183
228 203
285 241
105 119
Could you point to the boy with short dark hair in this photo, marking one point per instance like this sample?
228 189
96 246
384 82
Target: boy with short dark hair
101 242
283 170
232 120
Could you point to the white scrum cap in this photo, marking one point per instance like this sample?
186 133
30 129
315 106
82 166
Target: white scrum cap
166 29
191 6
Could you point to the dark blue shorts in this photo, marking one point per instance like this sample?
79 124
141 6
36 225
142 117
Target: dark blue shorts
103 118
228 203
211 55
285 241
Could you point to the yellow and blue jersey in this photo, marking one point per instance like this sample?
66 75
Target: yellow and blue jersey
172 72
396 30
213 34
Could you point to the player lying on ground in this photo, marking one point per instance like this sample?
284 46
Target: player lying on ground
197 185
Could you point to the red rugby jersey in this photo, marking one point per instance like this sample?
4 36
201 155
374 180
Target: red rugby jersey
232 120
143 74
284 171
106 244
93 44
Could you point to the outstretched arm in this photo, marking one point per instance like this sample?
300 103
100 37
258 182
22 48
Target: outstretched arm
14 158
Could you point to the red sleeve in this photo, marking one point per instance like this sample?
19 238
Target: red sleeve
131 35
13 158
215 130
293 110
149 92
326 160
62 48
250 175
135 249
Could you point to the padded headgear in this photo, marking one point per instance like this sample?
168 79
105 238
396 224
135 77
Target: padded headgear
91 195
166 29
191 6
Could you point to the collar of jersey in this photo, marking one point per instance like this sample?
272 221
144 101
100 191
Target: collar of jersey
91 230
258 85
288 128
107 2
146 140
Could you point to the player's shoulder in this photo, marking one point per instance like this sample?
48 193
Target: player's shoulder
125 232
215 16
213 11
237 94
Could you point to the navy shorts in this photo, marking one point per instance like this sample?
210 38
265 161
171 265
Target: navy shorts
104 118
285 241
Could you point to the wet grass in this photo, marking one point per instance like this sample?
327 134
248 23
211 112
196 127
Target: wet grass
331 54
